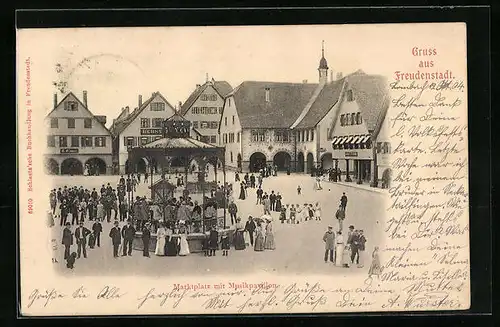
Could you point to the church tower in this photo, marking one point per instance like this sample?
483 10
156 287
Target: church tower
323 66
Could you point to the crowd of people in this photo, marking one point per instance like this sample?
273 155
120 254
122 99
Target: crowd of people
173 221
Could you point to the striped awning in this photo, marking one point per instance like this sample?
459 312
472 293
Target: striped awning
365 138
355 140
337 141
349 139
334 140
342 140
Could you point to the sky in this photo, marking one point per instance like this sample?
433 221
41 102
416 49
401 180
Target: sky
115 65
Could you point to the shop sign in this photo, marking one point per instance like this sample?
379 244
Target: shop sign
151 131
350 154
69 150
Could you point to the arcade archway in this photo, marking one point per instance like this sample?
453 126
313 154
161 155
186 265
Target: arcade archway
327 161
142 166
95 166
310 162
300 162
257 161
282 160
71 166
51 166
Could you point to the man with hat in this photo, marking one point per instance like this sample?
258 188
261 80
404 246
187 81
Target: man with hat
81 234
128 233
146 236
67 239
329 239
116 238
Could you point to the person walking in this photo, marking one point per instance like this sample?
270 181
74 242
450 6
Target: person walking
329 239
116 238
375 268
317 212
81 234
269 239
250 228
259 237
146 237
259 195
343 201
128 233
272 199
267 205
361 241
67 240
339 249
233 210
340 215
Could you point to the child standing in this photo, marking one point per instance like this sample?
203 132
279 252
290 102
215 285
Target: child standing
317 211
292 214
310 212
299 190
225 244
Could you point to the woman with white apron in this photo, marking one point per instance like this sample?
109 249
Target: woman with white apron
160 241
339 249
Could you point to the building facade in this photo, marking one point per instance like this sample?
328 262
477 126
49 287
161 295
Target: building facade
331 124
77 141
204 108
139 127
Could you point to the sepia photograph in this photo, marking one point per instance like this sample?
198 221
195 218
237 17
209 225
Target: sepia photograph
243 169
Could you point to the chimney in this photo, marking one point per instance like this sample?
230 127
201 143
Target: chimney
55 100
85 99
206 77
304 81
140 100
198 86
153 94
101 119
339 75
180 105
127 110
331 76
267 94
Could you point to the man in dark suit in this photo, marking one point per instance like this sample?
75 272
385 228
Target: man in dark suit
272 199
343 201
97 229
67 240
146 236
128 233
116 238
250 228
81 234
64 212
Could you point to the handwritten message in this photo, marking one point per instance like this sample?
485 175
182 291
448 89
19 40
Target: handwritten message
427 226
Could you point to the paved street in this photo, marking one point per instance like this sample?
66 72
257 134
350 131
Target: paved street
299 248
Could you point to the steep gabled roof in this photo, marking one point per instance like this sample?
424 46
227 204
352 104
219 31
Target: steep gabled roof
327 98
286 102
83 106
120 125
223 88
371 93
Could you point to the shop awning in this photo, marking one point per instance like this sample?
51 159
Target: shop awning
337 142
356 139
365 138
349 139
342 140
334 140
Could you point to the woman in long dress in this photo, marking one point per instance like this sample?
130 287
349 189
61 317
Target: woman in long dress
375 268
160 240
184 246
242 191
269 240
277 206
259 237
239 238
339 249
317 211
171 247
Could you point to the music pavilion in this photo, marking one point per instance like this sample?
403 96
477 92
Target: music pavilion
357 127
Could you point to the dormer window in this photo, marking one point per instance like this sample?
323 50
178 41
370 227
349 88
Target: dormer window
350 96
267 94
71 106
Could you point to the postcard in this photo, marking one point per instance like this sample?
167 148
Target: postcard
243 169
